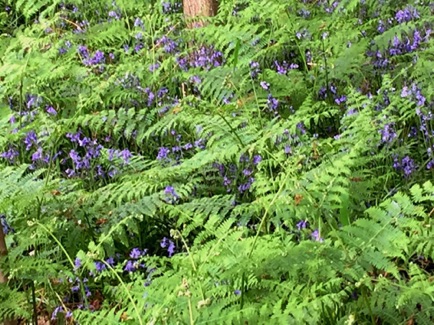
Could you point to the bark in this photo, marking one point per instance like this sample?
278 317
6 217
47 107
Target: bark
3 252
195 9
3 276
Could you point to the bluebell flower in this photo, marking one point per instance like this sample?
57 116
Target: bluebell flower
287 149
10 154
169 244
50 110
77 263
302 224
162 153
114 14
254 69
316 236
100 266
30 139
126 155
4 224
58 309
256 159
130 267
265 85
388 134
135 253
110 261
170 191
407 14
138 22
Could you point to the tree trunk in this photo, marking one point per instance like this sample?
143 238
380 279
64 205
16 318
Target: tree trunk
3 277
194 9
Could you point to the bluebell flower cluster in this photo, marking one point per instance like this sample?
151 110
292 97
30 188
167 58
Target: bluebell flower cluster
134 263
332 91
60 309
7 229
171 7
400 45
406 165
315 234
407 14
169 245
171 196
388 133
284 67
415 93
10 154
238 179
254 69
169 45
206 58
179 149
83 162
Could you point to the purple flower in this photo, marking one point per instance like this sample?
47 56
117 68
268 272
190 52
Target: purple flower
82 50
247 172
288 149
170 191
77 263
169 7
170 245
4 224
130 266
110 261
162 153
388 134
316 236
100 266
138 22
37 155
135 253
50 110
282 68
340 100
406 14
98 58
114 14
154 67
10 154
257 159
126 155
303 224
272 103
111 153
237 292
405 92
407 165
75 157
246 186
265 85
169 45
33 101
56 311
254 69
30 140
301 128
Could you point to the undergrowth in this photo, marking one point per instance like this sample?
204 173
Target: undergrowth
273 166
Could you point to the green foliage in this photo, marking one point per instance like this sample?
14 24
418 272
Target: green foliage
272 165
